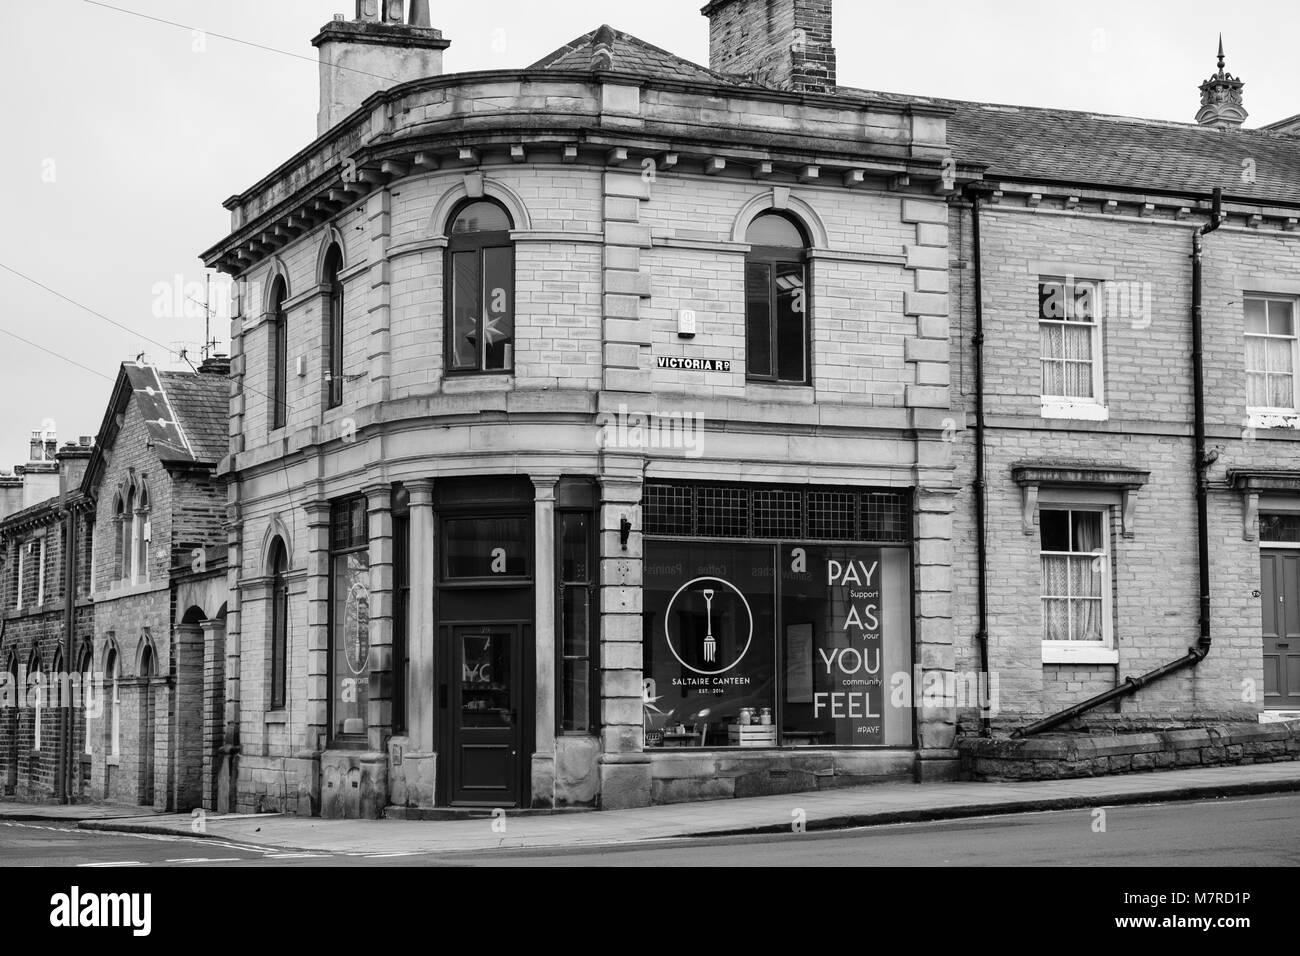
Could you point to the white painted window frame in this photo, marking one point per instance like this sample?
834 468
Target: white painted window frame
1268 416
1084 652
1071 407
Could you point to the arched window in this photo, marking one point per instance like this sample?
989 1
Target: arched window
36 696
112 671
119 559
278 354
140 546
128 539
334 323
89 694
279 567
777 301
480 289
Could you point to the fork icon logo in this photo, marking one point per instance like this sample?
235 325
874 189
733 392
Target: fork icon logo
710 645
727 625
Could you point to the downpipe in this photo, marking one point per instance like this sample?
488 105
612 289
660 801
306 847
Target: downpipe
1202 461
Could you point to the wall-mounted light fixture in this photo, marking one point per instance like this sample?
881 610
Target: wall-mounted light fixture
624 532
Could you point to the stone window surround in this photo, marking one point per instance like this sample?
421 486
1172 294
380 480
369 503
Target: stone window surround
1080 487
1264 490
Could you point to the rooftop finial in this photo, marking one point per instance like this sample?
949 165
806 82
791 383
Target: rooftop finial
1221 101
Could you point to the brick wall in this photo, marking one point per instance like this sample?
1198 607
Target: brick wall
1148 389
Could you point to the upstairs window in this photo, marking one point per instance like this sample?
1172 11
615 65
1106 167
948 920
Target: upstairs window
777 299
22 573
278 355
1069 336
40 571
1271 354
480 289
141 533
334 325
119 539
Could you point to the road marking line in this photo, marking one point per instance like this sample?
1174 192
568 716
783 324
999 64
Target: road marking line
120 863
387 856
295 856
207 859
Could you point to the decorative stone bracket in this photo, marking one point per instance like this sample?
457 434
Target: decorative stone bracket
1031 477
1252 484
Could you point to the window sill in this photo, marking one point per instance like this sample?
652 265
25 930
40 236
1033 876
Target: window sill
1078 411
792 393
1272 418
1076 654
113 760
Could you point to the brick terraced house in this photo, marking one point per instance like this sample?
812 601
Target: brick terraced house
607 432
44 599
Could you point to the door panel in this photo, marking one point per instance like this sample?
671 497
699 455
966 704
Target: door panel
1280 590
484 714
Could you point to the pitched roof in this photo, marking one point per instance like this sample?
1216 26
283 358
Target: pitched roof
628 54
1093 149
201 404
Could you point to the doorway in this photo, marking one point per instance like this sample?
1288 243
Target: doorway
484 714
1280 596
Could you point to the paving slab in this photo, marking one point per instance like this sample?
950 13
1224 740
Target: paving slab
825 809
73 812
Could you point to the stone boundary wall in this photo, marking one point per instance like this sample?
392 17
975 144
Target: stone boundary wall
1064 756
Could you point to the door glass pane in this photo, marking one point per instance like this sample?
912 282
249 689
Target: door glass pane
577 696
758 318
498 308
485 680
576 630
791 311
465 309
573 549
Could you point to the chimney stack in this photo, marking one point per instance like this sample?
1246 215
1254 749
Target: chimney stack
381 48
73 460
782 44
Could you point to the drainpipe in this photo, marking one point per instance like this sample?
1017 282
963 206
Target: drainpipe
973 193
64 787
1201 462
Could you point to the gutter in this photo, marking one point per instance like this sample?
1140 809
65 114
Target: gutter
1201 463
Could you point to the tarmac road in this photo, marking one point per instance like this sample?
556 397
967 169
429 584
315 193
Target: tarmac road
1245 831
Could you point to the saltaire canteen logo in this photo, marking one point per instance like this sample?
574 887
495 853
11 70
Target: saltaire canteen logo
75 909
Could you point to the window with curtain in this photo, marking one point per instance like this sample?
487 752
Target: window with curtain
333 286
1076 571
1070 338
278 355
480 289
777 301
279 624
1270 353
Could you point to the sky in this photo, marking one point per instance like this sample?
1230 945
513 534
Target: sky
124 135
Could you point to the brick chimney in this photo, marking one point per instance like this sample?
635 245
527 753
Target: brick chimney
381 48
782 44
215 365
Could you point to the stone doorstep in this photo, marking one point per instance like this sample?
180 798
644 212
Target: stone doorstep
444 814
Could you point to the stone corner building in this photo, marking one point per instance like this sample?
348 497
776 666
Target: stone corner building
595 426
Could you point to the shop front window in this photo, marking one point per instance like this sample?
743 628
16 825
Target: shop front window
350 617
780 644
487 548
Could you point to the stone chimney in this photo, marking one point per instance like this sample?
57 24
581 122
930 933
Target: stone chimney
381 48
782 44
73 459
44 444
1221 105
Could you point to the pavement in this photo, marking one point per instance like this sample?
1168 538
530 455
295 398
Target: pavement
820 810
